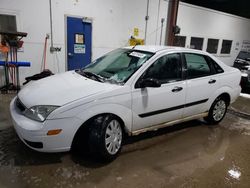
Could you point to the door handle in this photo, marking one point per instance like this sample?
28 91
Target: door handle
212 81
177 89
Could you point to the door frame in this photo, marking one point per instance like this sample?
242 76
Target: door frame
84 19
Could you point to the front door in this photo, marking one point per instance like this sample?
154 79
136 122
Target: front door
79 44
152 106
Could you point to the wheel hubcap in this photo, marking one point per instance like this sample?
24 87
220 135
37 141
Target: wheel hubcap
113 137
219 110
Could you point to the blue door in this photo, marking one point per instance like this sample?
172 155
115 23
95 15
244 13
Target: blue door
79 35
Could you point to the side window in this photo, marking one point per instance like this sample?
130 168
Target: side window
197 66
212 45
8 22
196 43
226 46
165 69
179 41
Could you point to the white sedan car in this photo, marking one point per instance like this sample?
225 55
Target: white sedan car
125 92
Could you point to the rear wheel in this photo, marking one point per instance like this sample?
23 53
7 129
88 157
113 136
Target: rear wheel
105 137
217 111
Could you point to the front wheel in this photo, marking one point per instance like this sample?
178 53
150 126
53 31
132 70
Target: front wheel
217 111
105 137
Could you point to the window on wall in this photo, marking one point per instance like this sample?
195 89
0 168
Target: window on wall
180 41
212 45
8 22
196 43
226 46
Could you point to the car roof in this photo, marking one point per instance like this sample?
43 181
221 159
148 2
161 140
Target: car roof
155 48
166 49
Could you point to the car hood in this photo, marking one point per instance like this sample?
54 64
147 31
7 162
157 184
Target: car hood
61 89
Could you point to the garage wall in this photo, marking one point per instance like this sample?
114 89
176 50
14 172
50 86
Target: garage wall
113 24
194 21
33 18
134 13
201 22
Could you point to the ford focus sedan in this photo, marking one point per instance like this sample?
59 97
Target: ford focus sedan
125 92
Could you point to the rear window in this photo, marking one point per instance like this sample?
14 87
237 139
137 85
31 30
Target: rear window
216 67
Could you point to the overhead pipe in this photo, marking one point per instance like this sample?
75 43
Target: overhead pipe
146 24
171 21
157 22
51 28
162 22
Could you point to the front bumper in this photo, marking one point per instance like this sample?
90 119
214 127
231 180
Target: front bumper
34 133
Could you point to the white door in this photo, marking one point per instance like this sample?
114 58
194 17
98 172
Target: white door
202 82
155 105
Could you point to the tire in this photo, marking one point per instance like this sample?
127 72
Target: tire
217 111
105 137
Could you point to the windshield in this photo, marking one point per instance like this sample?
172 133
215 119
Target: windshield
243 55
117 66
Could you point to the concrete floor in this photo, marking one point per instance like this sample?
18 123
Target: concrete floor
191 154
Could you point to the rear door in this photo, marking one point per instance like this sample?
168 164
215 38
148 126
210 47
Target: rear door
202 82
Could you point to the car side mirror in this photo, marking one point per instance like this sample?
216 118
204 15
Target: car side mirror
149 82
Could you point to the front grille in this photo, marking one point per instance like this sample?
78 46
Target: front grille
19 105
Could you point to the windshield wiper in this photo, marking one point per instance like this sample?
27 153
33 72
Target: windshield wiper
91 74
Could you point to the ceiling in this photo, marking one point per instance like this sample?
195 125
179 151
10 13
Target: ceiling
236 7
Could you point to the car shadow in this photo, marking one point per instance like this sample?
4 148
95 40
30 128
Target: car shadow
14 152
87 160
162 131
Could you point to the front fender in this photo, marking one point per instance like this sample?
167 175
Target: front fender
121 111
89 110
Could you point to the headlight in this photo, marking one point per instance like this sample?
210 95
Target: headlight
39 113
